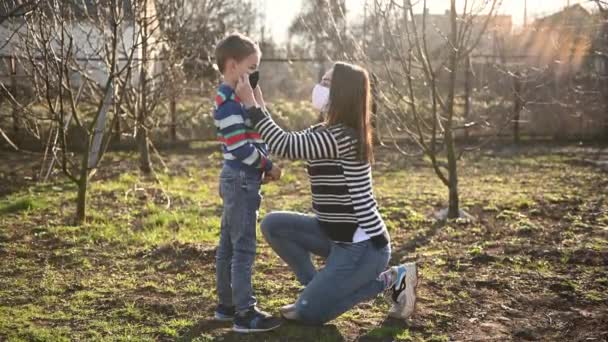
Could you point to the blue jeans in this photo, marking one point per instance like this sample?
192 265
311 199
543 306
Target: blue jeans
240 192
351 271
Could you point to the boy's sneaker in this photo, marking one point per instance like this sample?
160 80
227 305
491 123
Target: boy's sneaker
254 320
402 295
224 313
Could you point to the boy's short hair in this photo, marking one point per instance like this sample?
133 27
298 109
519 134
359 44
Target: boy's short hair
236 46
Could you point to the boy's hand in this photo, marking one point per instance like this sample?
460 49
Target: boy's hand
267 179
274 173
257 93
244 92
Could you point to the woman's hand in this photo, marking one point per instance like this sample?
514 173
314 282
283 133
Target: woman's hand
244 92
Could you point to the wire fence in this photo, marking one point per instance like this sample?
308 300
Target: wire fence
552 105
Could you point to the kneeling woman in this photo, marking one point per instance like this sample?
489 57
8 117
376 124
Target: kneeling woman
347 228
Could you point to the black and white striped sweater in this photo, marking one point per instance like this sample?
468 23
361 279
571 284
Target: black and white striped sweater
341 184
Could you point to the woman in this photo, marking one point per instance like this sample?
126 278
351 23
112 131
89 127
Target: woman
347 228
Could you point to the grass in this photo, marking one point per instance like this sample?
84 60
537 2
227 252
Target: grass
142 267
25 203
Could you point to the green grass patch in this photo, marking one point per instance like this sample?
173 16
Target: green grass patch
142 267
19 204
398 333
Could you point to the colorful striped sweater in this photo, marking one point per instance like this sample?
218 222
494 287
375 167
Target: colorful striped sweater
242 145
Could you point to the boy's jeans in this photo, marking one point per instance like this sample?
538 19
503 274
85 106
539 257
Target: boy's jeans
240 192
350 275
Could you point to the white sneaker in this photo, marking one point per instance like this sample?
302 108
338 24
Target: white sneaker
289 312
402 295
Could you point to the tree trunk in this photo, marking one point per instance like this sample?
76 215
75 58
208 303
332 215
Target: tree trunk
172 110
605 74
144 151
83 181
604 71
467 96
142 114
453 208
321 117
606 99
117 129
374 108
81 200
14 112
321 7
517 107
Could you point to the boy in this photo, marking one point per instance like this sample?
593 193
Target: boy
246 164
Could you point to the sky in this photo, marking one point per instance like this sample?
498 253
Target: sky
280 13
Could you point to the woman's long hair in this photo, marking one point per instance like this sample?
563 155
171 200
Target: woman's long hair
349 104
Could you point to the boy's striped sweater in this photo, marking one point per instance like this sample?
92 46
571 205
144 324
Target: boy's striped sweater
242 145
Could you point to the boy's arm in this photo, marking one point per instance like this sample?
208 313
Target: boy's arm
308 144
231 125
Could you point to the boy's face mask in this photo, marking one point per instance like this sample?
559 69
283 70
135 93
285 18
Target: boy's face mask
320 98
254 78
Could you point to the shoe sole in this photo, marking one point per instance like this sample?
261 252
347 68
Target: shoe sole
413 294
410 294
249 330
221 318
287 318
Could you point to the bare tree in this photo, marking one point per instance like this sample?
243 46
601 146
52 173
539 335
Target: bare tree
177 38
13 12
189 31
419 95
322 25
142 100
53 54
417 66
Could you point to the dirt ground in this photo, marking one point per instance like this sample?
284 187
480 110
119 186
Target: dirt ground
532 264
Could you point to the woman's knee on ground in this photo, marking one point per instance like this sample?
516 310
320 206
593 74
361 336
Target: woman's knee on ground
313 313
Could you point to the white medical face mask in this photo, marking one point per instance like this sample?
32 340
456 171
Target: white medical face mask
320 97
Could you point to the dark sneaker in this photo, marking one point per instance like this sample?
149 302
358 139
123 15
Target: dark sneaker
254 320
402 294
224 313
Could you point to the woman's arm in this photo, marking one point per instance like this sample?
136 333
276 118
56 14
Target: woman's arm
308 144
325 143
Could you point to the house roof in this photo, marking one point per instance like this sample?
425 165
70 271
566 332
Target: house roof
565 37
575 13
80 8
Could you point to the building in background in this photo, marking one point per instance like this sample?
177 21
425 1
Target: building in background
561 41
88 38
491 42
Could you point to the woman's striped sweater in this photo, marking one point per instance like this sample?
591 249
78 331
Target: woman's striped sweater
341 184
